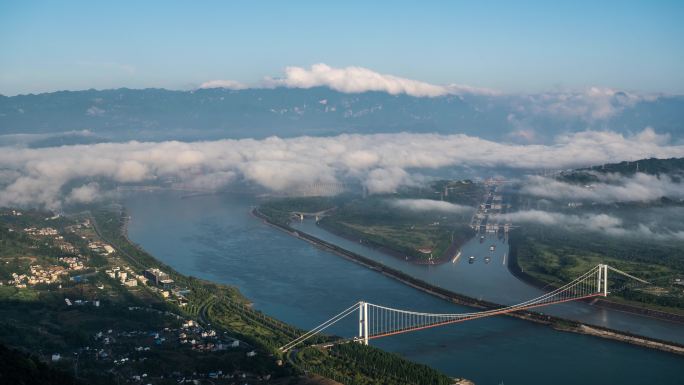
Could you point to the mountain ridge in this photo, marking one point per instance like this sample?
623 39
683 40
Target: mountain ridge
204 114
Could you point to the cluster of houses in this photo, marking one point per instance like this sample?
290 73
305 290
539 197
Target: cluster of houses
41 232
124 347
189 333
59 241
166 286
126 276
158 280
73 263
41 275
100 247
49 274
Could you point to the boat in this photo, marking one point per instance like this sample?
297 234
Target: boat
456 257
492 248
487 259
471 259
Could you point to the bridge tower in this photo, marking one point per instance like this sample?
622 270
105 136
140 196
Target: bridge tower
605 280
602 280
363 322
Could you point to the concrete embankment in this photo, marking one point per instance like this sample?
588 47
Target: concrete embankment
558 323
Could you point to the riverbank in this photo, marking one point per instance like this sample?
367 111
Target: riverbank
357 237
517 271
556 322
365 365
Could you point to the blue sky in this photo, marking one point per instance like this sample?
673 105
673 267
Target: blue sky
510 46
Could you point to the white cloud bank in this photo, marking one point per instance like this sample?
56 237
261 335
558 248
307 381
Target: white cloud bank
422 205
593 103
381 162
353 79
228 84
597 223
613 188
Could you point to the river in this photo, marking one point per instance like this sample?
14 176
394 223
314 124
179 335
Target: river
493 282
215 237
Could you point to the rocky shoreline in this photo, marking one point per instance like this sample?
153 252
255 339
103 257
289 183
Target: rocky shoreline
557 323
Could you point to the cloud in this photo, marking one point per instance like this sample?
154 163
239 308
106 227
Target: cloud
429 205
380 162
210 182
597 223
356 80
359 79
612 188
84 194
592 104
228 84
95 111
386 180
460 89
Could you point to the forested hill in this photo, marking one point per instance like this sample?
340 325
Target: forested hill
674 167
20 368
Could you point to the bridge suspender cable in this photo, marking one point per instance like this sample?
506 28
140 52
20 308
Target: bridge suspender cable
320 327
627 275
377 321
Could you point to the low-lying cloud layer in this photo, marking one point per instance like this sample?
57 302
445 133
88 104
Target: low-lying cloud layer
229 84
594 103
424 205
597 223
639 187
381 162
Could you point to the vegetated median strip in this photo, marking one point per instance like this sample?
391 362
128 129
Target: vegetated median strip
557 323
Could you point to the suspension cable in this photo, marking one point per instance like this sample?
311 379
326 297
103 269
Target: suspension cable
320 327
382 320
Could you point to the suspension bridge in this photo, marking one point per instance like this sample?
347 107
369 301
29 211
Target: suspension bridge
377 321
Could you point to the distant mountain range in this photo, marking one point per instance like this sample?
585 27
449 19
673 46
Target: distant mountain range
157 114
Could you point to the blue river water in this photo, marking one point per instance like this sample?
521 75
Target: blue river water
493 282
216 238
